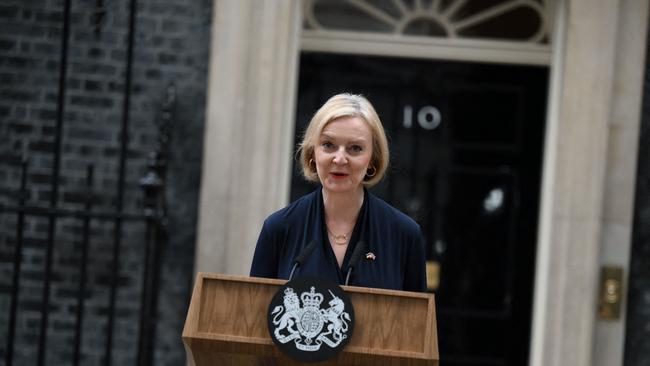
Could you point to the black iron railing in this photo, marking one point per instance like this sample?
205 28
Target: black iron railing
152 218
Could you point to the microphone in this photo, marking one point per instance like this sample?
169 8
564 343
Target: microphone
356 255
302 257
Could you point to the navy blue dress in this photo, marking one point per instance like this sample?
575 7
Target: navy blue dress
394 238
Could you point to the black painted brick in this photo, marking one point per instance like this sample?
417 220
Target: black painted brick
167 59
46 113
8 11
4 111
17 95
170 26
7 45
49 17
16 62
92 85
95 52
93 69
41 146
85 101
20 128
46 49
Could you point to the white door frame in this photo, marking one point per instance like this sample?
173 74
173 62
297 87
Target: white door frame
620 179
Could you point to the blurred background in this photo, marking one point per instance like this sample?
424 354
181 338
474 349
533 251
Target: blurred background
142 141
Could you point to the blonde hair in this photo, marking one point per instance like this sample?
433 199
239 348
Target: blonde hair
345 105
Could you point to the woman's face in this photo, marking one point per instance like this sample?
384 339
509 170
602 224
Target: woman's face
342 154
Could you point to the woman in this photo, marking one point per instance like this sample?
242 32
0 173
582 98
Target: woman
345 149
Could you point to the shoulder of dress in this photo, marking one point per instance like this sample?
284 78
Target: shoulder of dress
392 215
296 210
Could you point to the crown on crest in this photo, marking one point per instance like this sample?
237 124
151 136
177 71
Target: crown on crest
290 295
311 298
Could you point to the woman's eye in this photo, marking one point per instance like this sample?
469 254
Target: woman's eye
356 148
327 145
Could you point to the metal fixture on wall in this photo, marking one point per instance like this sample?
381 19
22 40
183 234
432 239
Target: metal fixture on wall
611 293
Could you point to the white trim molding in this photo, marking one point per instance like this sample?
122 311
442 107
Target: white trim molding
620 179
573 188
249 126
391 45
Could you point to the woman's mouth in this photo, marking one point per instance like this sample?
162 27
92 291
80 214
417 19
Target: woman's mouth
338 175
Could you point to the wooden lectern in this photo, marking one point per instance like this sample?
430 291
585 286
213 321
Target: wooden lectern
226 325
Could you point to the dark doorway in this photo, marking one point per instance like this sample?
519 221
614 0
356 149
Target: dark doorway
466 150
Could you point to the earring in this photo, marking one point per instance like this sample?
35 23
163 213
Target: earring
374 171
311 161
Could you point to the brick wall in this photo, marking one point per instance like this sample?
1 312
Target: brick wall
637 337
171 47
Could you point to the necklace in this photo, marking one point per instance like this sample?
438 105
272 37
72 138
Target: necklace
341 239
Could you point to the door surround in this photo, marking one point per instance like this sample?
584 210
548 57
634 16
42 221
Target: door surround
592 118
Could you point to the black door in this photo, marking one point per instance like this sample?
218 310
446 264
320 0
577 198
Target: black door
466 148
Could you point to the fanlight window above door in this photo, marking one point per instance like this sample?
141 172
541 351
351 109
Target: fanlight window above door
504 20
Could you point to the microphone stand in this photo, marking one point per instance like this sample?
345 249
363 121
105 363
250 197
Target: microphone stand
356 255
302 257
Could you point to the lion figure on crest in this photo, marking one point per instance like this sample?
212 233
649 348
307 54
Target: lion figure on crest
290 317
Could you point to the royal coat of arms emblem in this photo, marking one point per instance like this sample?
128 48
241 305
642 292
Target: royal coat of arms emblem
311 320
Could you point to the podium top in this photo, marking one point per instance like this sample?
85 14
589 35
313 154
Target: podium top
228 315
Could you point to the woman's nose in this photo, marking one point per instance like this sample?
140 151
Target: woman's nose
339 157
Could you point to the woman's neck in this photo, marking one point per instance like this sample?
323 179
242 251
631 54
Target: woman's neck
343 207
